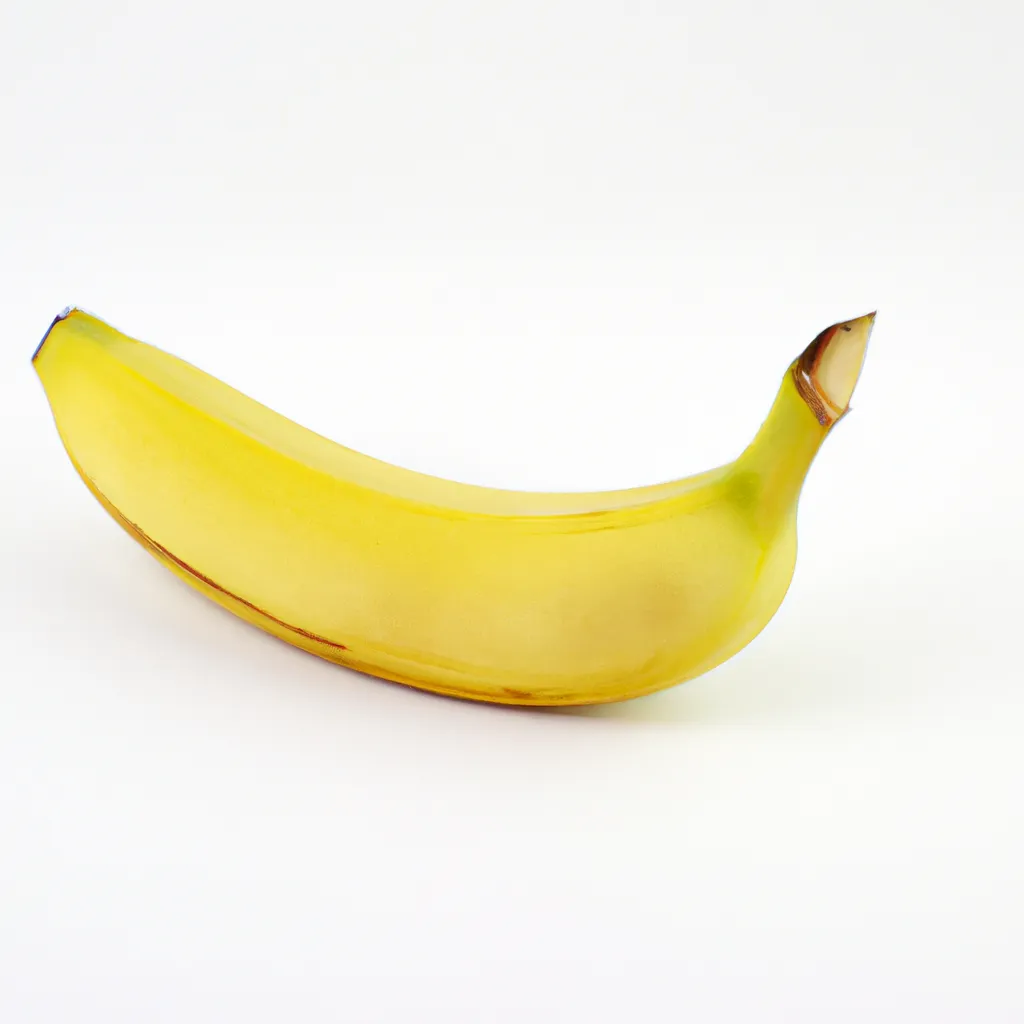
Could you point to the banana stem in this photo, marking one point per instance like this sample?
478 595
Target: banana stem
827 371
814 395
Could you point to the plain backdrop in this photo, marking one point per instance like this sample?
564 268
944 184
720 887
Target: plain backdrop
542 245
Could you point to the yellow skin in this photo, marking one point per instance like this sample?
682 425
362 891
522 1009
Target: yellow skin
504 596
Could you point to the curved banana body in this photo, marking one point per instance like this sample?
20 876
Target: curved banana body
512 597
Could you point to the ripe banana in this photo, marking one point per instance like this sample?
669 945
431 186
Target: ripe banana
504 596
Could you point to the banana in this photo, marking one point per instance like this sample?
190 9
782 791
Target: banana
494 595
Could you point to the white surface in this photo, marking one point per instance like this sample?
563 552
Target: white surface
535 245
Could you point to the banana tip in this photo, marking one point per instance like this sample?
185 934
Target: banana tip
67 311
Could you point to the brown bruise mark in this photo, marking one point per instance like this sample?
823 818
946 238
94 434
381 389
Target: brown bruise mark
157 548
517 694
223 590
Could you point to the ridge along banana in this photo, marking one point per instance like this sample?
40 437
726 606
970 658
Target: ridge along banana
494 595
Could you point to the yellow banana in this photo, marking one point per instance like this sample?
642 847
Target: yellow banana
512 597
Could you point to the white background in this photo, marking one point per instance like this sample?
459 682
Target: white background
539 245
